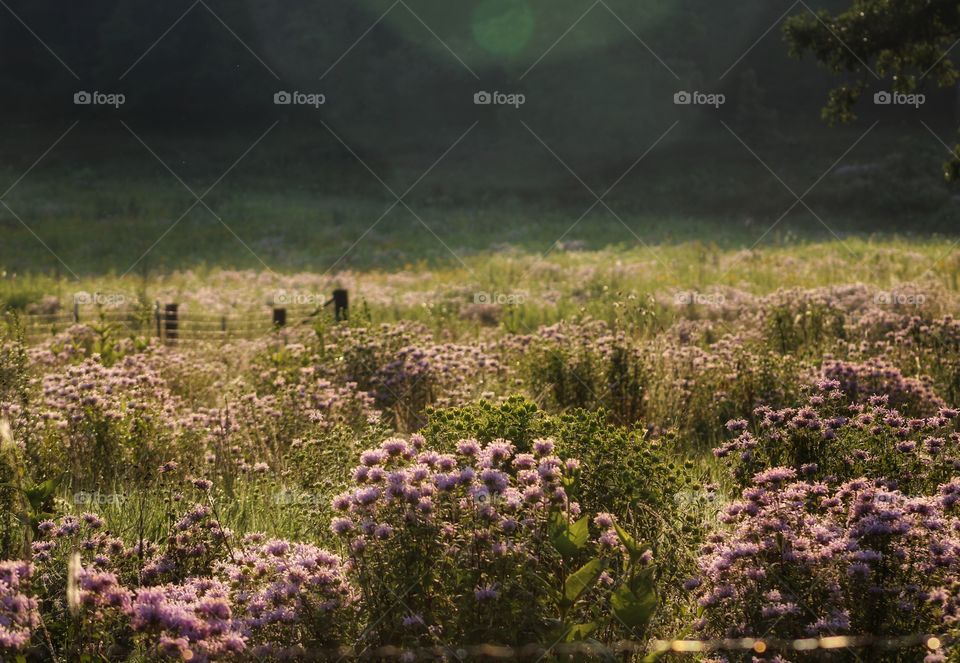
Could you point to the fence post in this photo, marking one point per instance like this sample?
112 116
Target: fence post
341 305
170 323
156 315
279 317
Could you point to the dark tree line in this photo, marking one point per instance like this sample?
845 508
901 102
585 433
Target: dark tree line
398 86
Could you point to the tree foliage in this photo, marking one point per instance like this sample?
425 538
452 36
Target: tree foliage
905 44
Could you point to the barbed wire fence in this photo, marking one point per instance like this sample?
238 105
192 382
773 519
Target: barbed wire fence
174 325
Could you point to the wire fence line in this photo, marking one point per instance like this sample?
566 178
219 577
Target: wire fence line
655 648
173 325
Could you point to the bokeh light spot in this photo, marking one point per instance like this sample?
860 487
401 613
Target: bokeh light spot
502 27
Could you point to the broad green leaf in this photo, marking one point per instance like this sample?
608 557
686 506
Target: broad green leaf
635 549
39 494
569 539
644 582
634 611
583 579
581 631
580 532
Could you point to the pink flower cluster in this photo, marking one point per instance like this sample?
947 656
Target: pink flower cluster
130 386
200 599
402 482
876 377
19 614
801 559
831 438
192 620
285 595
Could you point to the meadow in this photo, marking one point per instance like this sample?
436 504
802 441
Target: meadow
652 350
754 448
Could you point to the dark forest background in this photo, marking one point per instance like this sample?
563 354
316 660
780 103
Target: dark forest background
399 79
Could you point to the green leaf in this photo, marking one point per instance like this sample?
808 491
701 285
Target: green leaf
41 493
644 582
580 532
634 611
583 579
569 539
580 631
633 548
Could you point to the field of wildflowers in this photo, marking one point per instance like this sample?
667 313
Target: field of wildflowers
780 464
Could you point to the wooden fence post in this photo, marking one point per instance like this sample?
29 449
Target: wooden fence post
341 305
171 323
156 315
279 317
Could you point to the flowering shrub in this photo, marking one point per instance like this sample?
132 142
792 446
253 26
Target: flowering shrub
588 365
196 542
801 559
102 421
832 439
441 374
621 471
99 607
875 377
933 345
700 389
459 541
191 621
289 598
199 600
81 574
621 468
260 428
804 324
